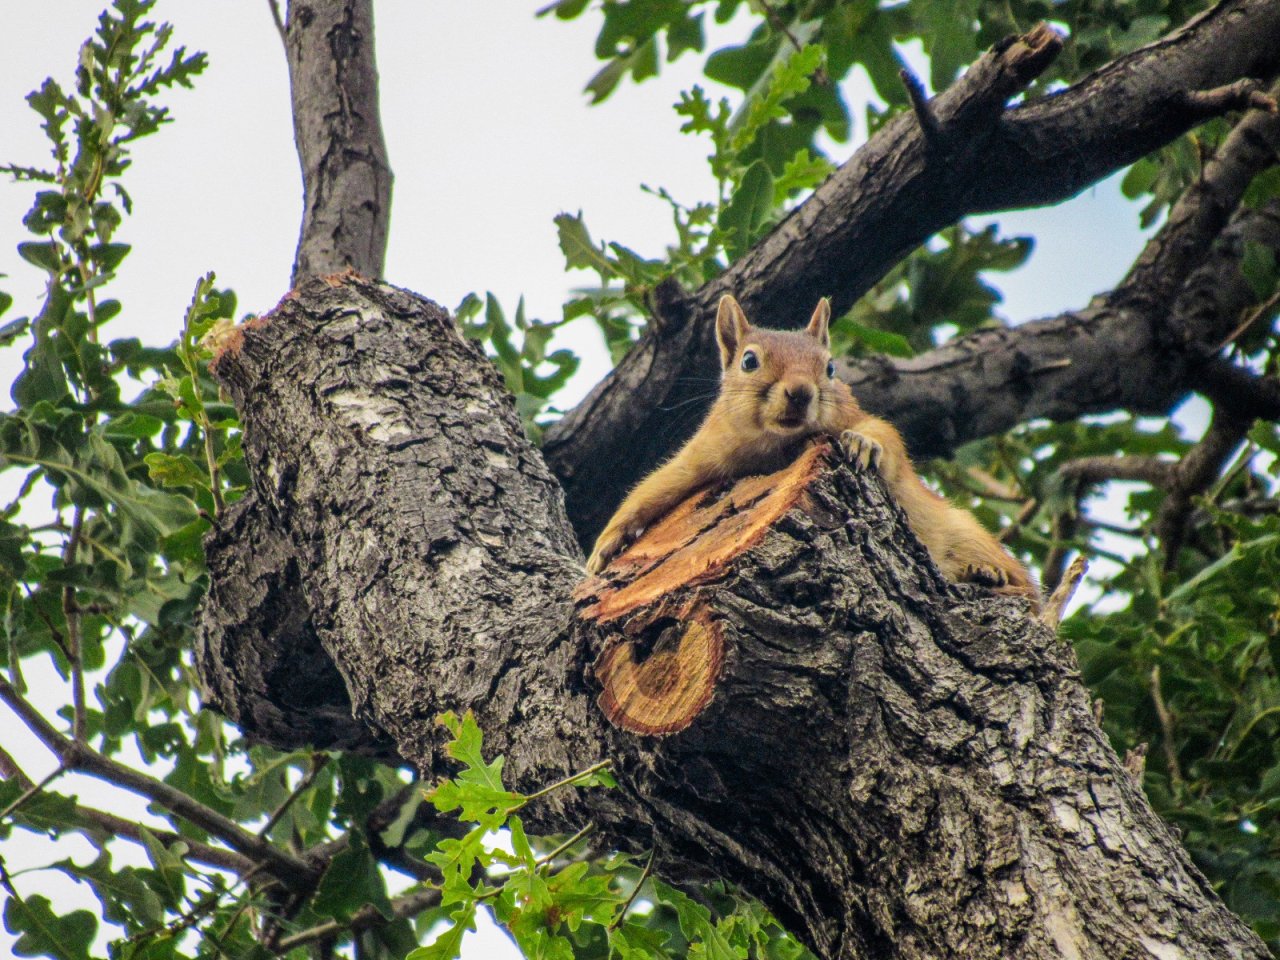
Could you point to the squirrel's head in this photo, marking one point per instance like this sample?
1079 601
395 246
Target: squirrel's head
778 381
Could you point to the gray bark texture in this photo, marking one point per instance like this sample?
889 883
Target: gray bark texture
337 129
896 766
896 191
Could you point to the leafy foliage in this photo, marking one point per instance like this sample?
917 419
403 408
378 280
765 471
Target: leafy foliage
560 905
521 366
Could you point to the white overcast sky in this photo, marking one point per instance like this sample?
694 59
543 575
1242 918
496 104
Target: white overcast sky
489 136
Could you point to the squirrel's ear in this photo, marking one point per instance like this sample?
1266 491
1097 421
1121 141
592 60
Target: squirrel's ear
820 322
731 328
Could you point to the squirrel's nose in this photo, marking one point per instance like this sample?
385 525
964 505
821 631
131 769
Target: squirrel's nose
798 394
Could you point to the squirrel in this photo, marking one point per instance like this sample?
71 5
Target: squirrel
778 389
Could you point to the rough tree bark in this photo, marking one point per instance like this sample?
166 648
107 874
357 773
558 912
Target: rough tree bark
896 191
338 132
289 692
896 766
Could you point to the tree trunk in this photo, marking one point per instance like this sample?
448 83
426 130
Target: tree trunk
895 765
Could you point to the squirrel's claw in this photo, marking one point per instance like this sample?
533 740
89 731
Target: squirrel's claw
599 559
985 576
608 546
861 451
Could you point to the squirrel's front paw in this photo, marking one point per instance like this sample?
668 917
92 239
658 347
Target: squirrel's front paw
861 451
985 576
608 546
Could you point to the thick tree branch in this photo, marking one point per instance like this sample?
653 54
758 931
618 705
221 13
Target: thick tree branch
869 723
338 132
1193 475
892 195
1239 390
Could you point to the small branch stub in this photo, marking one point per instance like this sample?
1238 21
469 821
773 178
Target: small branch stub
664 692
662 643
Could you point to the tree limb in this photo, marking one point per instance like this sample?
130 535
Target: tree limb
76 755
846 236
338 132
1193 475
870 724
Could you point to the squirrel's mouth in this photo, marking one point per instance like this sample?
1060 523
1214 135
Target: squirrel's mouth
791 421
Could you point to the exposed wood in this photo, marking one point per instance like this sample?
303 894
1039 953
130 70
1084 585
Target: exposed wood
659 670
673 683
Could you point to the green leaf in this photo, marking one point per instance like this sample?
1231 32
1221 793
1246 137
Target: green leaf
696 924
880 341
579 250
448 945
43 255
126 892
477 791
789 77
1259 268
748 209
564 9
351 881
42 933
804 171
41 380
176 471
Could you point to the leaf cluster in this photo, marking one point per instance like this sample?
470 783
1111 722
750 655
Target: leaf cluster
562 905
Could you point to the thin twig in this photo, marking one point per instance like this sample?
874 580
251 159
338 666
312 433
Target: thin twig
9 769
221 938
279 21
364 918
1135 763
928 120
1257 313
187 920
30 792
991 487
1062 531
1026 513
584 832
568 781
644 875
71 615
1051 616
318 762
1166 727
779 24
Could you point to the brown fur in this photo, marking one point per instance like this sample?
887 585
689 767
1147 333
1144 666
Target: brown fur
763 416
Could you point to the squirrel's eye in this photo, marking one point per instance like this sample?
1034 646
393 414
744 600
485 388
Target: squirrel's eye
750 361
831 369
